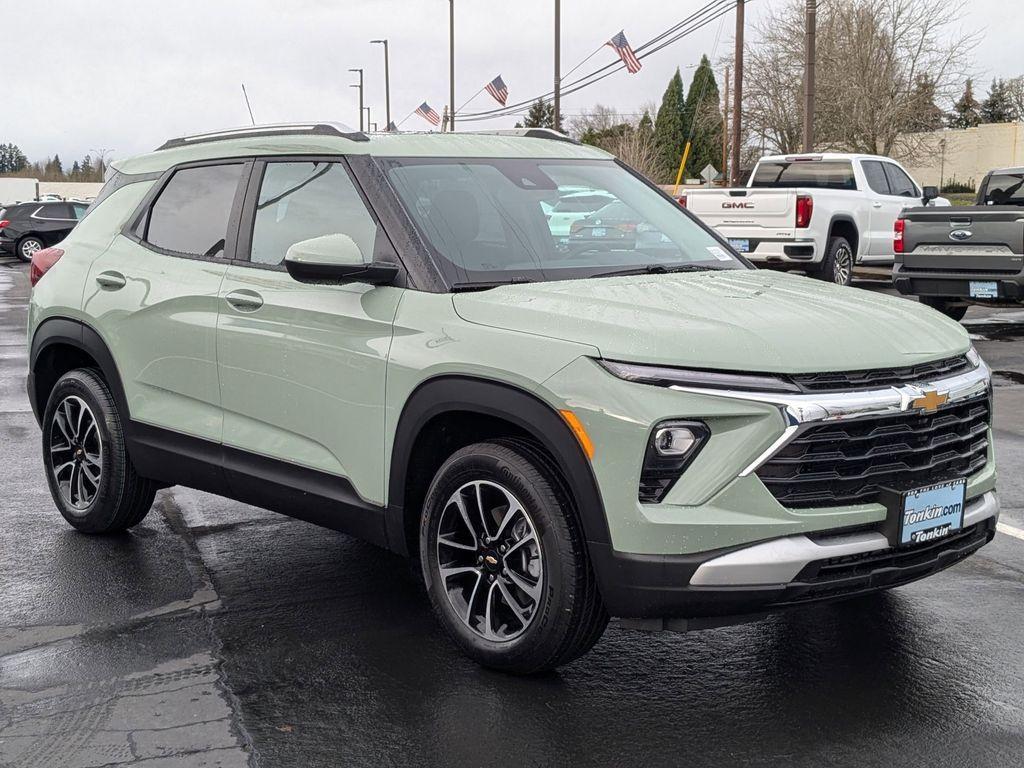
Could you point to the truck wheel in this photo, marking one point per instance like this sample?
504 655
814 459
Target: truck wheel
91 477
949 307
837 266
505 562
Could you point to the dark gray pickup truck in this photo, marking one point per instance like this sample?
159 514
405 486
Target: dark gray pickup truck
953 257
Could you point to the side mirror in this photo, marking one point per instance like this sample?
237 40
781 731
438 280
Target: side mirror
335 259
928 194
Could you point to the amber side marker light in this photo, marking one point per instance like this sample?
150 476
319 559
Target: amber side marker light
581 433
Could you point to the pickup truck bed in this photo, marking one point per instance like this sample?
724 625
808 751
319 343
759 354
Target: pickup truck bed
952 256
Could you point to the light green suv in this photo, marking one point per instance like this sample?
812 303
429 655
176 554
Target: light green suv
381 334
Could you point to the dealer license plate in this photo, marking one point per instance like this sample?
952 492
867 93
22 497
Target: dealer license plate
984 290
743 246
598 232
932 513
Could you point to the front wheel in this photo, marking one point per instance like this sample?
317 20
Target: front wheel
949 307
837 266
505 562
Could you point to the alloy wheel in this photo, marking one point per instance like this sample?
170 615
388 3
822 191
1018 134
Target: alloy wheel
76 452
842 265
490 560
29 248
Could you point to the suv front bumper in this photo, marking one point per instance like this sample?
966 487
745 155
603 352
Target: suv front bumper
723 587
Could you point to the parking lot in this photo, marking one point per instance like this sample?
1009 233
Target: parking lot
217 634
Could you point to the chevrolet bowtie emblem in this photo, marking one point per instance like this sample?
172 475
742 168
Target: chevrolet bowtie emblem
929 401
491 560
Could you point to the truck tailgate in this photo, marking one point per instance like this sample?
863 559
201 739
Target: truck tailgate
772 210
970 239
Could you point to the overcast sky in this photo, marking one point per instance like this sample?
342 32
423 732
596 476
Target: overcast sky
127 74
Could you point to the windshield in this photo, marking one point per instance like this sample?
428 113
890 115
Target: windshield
508 220
816 174
1005 189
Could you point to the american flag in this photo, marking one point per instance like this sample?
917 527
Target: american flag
498 90
427 112
621 46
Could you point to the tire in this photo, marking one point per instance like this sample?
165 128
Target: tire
837 266
948 307
81 415
27 246
558 613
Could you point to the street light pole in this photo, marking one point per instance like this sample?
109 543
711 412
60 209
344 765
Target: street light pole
558 66
810 30
360 87
387 86
452 65
737 98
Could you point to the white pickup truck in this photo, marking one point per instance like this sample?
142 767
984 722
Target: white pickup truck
823 214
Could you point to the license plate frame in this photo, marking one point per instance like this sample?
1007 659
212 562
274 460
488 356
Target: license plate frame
740 244
930 513
984 289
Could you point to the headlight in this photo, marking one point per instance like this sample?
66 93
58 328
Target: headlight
671 448
690 377
973 357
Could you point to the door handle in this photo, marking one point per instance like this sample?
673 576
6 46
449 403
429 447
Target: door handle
111 280
876 205
244 300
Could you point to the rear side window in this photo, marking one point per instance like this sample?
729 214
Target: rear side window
304 200
899 183
54 211
815 174
1001 189
191 214
875 175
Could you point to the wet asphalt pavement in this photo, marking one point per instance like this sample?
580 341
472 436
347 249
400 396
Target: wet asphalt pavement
216 634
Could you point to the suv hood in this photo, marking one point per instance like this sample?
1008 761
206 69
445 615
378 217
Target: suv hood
750 320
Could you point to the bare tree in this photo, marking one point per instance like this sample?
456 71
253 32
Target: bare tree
636 148
872 58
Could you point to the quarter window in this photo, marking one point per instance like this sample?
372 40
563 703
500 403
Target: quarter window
54 211
191 214
304 200
899 183
875 175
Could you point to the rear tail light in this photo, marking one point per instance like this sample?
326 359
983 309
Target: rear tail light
804 211
898 228
575 227
626 227
681 200
41 263
4 223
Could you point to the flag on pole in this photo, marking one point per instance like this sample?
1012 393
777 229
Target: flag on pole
621 46
427 112
498 90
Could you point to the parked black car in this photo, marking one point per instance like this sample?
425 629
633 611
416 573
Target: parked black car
28 227
952 257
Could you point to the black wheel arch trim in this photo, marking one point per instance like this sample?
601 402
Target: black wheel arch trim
843 218
460 393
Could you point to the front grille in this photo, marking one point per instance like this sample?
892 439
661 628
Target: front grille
850 462
881 377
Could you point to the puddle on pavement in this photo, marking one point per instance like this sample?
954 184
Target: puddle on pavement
1006 328
1007 378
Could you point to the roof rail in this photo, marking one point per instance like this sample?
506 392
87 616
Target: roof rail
273 129
530 133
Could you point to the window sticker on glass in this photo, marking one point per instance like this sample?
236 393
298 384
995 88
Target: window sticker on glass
719 253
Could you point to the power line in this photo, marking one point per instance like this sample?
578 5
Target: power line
695 21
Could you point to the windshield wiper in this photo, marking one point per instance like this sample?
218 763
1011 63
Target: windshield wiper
483 285
661 269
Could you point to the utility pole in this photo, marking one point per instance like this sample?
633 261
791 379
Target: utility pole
558 66
387 85
737 98
725 130
359 85
810 30
451 64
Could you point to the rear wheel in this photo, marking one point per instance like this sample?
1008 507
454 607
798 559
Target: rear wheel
91 477
505 562
951 308
837 266
28 246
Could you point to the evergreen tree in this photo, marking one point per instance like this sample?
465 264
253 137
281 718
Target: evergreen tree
998 106
76 171
704 117
925 114
12 159
541 115
88 172
671 129
646 125
966 112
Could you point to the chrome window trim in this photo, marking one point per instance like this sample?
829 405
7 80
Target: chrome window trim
800 411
